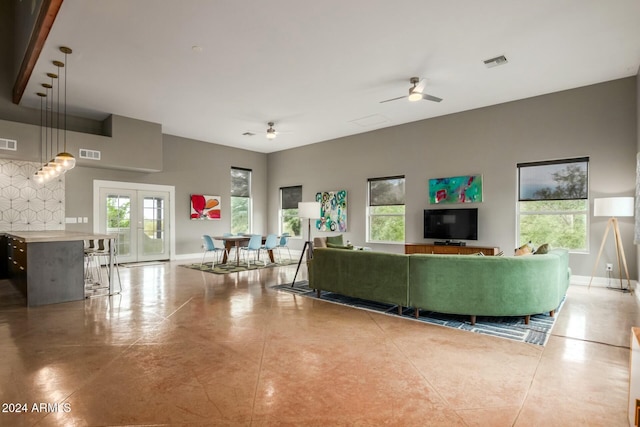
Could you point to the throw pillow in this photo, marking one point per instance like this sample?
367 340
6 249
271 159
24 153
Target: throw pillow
336 240
523 250
334 246
543 249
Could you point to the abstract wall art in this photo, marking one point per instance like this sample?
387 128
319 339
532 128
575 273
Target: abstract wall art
333 211
456 189
205 207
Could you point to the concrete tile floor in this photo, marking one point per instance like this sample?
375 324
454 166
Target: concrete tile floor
181 347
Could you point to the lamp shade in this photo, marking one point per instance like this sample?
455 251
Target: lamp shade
309 210
613 206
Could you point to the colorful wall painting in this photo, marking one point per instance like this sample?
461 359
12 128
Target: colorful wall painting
333 211
205 207
456 189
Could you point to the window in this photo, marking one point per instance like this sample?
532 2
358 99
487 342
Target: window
553 203
289 221
240 200
386 209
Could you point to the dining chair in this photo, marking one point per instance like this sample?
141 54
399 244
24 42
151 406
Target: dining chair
283 243
210 246
270 243
254 245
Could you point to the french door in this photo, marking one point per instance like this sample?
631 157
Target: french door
140 219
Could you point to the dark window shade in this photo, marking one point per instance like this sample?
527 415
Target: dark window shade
240 182
291 196
554 180
387 191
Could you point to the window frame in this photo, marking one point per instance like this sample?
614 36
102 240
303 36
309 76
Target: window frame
554 212
281 210
370 207
249 198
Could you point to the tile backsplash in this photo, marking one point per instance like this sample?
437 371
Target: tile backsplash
26 205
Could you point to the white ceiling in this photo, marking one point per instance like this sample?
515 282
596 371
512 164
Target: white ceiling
319 69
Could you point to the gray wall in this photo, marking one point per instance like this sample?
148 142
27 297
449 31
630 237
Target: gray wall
598 121
193 167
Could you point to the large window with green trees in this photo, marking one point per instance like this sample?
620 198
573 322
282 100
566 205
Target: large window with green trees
240 200
553 203
289 199
386 210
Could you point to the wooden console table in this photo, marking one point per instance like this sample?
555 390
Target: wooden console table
426 248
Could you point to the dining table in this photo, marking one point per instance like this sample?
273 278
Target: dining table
239 241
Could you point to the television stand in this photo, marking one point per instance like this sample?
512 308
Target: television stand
434 248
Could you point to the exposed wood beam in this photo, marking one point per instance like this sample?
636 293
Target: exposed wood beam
44 22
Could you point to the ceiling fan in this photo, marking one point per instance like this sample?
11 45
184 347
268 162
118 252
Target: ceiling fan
415 92
272 132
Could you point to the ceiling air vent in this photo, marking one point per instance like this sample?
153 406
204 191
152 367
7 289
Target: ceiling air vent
89 154
494 62
248 134
8 144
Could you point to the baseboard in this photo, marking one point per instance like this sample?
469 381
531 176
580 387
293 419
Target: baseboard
601 282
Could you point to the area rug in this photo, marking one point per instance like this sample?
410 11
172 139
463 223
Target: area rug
233 268
513 328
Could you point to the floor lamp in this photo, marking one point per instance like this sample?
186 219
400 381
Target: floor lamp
308 210
614 207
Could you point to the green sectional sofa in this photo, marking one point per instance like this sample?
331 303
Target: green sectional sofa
455 284
376 276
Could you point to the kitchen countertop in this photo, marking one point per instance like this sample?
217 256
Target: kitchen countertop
55 236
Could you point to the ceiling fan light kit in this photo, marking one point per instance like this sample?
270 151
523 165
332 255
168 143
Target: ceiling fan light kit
271 132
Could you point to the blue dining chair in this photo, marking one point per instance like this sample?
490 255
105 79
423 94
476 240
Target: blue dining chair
283 243
254 245
209 246
270 243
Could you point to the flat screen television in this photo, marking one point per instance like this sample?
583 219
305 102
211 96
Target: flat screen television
451 224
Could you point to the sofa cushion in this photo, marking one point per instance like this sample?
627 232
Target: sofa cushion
335 240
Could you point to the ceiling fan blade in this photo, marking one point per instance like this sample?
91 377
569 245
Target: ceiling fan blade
420 86
392 99
431 97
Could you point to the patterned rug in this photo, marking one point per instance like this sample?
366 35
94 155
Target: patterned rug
233 268
536 332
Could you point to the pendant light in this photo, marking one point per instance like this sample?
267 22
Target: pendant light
46 168
40 175
54 169
64 159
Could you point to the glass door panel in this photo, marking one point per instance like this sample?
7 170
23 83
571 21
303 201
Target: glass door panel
139 219
153 235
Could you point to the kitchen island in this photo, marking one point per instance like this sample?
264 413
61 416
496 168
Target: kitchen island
48 266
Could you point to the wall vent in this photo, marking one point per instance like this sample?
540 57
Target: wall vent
8 144
89 154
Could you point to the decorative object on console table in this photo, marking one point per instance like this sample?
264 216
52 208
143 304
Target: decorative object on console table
422 248
308 210
205 207
456 189
333 211
614 207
